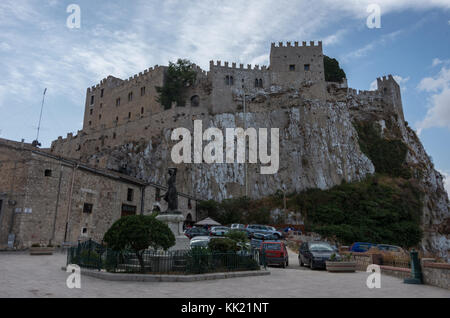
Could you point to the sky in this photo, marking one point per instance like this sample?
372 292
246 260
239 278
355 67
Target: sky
123 37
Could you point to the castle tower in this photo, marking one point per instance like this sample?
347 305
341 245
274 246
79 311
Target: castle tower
291 65
391 93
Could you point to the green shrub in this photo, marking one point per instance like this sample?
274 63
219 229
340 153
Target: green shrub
237 236
222 245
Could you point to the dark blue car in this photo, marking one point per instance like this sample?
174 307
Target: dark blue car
360 247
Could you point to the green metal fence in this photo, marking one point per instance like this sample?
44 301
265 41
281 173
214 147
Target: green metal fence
92 255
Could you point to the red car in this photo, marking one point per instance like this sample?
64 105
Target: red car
275 253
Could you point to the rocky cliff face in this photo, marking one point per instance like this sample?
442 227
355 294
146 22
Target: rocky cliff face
318 149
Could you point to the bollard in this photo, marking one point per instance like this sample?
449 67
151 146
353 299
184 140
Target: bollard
416 270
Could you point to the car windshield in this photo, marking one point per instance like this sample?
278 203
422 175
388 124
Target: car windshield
321 247
272 246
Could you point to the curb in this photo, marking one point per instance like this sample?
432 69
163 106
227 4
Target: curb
168 278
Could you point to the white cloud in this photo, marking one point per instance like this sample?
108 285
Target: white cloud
438 114
436 62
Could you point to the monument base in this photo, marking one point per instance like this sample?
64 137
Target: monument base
175 222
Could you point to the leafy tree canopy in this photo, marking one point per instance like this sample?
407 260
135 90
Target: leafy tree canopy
333 72
138 233
179 75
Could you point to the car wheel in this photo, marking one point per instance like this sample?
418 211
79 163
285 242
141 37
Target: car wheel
283 265
287 262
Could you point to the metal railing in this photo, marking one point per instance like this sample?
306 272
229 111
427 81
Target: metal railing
92 255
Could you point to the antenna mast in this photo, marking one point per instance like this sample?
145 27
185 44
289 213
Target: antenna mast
36 143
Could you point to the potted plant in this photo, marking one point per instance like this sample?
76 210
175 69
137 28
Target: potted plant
39 249
338 264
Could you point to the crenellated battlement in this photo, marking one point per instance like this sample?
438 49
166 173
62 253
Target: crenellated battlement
297 44
363 93
132 80
234 66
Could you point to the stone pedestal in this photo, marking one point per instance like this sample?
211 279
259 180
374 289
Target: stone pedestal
175 222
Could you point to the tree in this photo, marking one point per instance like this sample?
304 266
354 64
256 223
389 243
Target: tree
237 236
333 73
138 233
178 76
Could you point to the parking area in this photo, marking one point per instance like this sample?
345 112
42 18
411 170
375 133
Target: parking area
22 275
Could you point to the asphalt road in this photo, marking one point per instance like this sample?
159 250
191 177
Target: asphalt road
22 275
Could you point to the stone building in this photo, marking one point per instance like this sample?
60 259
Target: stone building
50 199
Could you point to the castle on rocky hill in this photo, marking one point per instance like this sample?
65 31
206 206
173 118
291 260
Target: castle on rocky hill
119 111
127 130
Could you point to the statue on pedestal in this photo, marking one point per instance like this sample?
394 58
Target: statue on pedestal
173 217
171 196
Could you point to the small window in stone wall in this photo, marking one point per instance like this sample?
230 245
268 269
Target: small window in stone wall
87 208
229 80
157 195
130 195
118 102
189 204
307 67
92 99
142 91
292 67
48 173
130 96
102 92
195 101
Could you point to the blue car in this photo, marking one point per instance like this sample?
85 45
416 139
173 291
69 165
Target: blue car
360 247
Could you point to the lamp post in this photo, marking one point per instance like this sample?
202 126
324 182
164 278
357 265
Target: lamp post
245 129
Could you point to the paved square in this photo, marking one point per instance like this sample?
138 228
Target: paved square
22 275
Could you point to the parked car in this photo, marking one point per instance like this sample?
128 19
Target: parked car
196 231
200 241
315 254
219 231
265 236
237 226
390 248
275 253
256 228
360 247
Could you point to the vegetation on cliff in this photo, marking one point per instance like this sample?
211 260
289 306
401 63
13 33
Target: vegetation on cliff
378 209
333 72
388 156
178 76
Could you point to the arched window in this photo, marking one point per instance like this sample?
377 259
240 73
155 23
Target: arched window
231 80
261 83
227 80
256 83
195 101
